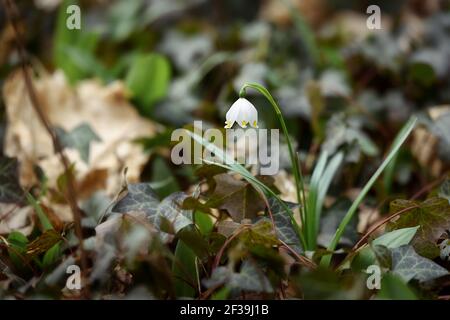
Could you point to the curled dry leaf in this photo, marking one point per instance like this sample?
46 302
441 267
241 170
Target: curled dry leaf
104 108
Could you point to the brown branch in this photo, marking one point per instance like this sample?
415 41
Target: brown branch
225 245
13 14
379 224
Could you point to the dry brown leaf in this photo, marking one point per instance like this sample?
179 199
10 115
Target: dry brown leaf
424 148
104 108
93 181
13 218
55 219
314 11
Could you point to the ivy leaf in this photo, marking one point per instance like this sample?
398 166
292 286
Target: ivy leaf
383 255
260 233
139 198
376 250
239 198
250 278
407 264
433 217
10 190
170 210
167 215
283 224
78 138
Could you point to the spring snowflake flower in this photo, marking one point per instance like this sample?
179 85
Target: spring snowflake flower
243 112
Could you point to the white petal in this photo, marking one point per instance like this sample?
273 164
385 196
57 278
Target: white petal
232 114
243 112
253 117
242 118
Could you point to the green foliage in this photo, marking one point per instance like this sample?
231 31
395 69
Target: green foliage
394 288
167 215
17 248
339 95
321 178
368 255
283 224
239 198
73 50
148 80
399 140
407 264
46 224
184 270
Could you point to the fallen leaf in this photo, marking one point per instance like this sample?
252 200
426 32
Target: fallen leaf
433 217
104 109
79 138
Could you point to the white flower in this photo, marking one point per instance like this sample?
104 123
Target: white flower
243 112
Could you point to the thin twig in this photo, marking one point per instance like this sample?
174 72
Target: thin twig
428 187
225 245
379 224
13 14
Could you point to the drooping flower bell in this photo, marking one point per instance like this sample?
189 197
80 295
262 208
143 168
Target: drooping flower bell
243 112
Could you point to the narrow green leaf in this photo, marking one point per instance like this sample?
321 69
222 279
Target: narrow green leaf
396 238
399 140
184 270
46 224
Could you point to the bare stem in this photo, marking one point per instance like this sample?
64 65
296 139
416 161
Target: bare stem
13 14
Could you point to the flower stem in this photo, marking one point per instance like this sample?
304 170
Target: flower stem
294 158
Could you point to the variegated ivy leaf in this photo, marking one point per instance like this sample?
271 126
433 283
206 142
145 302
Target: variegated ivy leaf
167 215
283 224
407 264
10 190
169 210
238 197
78 138
250 278
140 197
